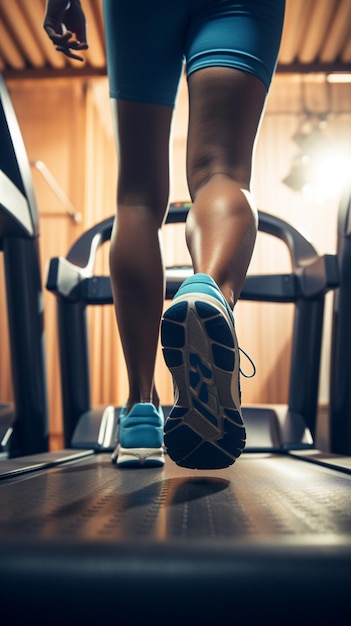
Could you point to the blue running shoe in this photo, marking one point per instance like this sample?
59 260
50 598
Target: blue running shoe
204 429
140 437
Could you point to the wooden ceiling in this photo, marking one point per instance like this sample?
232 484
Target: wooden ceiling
316 38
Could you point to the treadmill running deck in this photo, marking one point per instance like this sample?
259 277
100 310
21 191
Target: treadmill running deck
270 534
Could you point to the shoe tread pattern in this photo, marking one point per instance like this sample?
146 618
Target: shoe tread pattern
204 430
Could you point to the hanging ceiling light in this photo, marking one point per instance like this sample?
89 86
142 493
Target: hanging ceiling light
310 139
319 162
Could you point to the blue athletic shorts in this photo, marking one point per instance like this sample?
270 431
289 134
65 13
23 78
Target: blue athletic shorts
148 41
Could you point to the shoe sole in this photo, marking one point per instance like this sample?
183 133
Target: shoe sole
204 429
139 457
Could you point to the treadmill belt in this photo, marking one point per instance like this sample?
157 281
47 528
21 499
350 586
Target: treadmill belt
261 496
270 534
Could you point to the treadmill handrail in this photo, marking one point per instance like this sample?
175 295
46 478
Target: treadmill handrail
300 248
71 277
84 250
14 214
13 159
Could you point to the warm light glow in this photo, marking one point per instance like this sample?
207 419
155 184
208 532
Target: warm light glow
330 173
339 78
322 167
327 177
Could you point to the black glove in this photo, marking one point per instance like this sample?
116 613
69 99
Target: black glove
62 20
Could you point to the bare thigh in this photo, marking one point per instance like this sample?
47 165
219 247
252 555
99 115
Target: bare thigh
225 108
143 155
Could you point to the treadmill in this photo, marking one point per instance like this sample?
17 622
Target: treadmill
340 389
24 423
76 286
266 540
